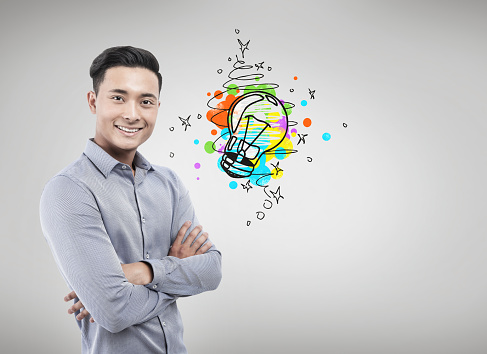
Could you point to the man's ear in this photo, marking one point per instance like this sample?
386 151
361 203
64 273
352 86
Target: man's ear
91 96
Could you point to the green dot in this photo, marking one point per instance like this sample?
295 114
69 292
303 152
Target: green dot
209 147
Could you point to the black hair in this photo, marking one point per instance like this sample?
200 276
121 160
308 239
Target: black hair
123 56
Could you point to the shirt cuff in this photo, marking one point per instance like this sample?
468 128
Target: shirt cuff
159 271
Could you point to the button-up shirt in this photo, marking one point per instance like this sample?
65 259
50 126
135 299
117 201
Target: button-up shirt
95 215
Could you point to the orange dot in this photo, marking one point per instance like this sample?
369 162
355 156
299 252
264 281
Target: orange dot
213 132
295 78
218 94
307 122
208 94
238 91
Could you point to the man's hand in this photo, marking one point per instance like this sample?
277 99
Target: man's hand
138 273
188 248
77 306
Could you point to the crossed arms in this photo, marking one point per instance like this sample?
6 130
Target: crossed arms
140 273
75 232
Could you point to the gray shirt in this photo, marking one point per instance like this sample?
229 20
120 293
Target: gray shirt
96 215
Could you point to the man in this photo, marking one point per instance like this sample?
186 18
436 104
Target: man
123 232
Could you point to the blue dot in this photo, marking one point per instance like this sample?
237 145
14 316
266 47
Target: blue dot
196 141
304 103
326 136
280 153
233 184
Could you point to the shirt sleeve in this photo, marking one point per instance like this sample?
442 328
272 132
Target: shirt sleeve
73 227
190 275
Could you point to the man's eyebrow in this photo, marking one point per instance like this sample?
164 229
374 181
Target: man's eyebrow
124 92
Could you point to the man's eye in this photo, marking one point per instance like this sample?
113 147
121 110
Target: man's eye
146 102
117 98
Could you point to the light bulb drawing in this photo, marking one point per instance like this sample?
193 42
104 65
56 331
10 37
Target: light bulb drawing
257 123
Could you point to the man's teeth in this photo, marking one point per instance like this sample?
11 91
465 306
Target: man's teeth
127 129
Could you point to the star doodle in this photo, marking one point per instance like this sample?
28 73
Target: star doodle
277 194
301 138
312 94
276 166
259 66
243 47
246 186
185 122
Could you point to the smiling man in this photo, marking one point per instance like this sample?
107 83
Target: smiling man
123 232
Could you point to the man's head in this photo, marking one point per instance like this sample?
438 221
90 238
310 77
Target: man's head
123 56
127 85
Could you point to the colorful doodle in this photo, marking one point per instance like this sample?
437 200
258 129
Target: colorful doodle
251 129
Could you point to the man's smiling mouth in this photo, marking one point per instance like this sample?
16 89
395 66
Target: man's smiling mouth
127 129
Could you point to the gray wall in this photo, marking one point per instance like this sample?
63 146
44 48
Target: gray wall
379 245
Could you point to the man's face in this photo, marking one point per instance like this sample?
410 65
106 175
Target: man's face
126 109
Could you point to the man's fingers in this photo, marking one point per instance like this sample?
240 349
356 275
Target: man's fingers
82 314
203 249
77 306
192 235
182 232
70 296
92 320
197 244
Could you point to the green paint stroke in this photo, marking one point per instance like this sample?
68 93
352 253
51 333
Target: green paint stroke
232 89
263 87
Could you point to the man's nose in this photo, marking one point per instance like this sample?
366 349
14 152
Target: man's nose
131 112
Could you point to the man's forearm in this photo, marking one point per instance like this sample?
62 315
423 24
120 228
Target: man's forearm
138 273
188 276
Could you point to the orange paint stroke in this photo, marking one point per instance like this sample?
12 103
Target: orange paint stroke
218 115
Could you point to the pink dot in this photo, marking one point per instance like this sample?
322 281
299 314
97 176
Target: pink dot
197 165
198 178
294 131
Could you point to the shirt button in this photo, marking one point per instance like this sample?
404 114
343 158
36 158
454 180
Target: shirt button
143 220
147 256
154 286
164 324
124 167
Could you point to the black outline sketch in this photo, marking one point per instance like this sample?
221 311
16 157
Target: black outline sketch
267 200
171 129
199 116
301 138
248 222
185 122
291 90
259 65
261 212
345 125
312 94
247 186
310 159
237 157
219 71
278 192
171 154
243 47
278 169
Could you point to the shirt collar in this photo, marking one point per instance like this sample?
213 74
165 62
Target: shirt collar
105 163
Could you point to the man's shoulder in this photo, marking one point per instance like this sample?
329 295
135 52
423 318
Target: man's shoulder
74 173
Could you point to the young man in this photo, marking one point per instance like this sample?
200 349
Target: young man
122 231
